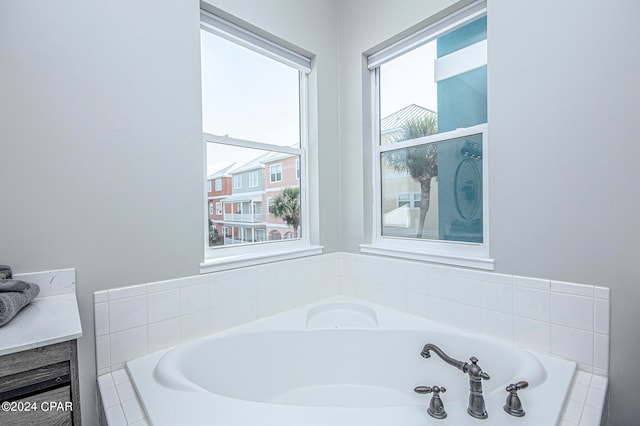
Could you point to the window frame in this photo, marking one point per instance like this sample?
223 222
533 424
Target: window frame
254 179
230 257
271 173
474 255
237 181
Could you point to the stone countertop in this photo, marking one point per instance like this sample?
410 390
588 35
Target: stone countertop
44 321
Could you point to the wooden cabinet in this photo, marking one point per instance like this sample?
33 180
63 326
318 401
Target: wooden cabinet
40 386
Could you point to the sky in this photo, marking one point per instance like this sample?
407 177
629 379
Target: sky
409 79
248 96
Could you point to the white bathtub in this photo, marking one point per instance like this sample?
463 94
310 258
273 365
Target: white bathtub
341 362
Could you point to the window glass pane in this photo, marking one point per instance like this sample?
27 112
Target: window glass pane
243 217
248 96
439 83
446 178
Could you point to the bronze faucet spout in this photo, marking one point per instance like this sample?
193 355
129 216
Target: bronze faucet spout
476 375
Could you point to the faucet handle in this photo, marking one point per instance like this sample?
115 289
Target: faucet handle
513 405
436 407
514 387
476 370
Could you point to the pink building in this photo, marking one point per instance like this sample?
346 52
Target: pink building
281 171
219 187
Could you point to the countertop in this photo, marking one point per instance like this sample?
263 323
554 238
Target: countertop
44 321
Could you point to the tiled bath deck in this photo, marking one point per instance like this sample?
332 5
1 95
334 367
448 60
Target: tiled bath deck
122 408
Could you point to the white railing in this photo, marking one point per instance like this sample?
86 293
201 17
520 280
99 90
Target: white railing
246 218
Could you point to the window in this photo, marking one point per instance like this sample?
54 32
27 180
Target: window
254 111
410 200
210 208
208 186
218 184
237 182
430 139
275 172
218 207
253 179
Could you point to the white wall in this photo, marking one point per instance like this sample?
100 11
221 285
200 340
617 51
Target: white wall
563 102
101 153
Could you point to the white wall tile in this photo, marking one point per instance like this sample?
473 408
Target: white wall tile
221 293
601 351
120 376
579 392
591 416
103 352
508 308
497 297
571 288
601 293
163 286
601 316
595 397
497 325
128 344
245 287
467 317
441 310
532 304
599 382
572 343
132 411
222 318
266 305
109 397
267 283
194 298
101 318
532 283
285 300
105 381
163 305
115 416
418 304
194 325
101 296
397 299
125 391
204 279
163 334
417 282
573 412
245 311
127 313
572 311
532 334
124 292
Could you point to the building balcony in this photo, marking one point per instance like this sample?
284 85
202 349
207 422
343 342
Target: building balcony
243 218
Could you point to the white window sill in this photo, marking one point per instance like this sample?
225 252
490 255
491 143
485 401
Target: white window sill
257 257
454 259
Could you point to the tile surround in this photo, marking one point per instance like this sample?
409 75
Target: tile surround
563 319
136 320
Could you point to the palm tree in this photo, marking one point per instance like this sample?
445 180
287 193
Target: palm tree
286 206
421 162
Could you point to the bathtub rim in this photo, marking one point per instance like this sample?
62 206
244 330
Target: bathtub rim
388 318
